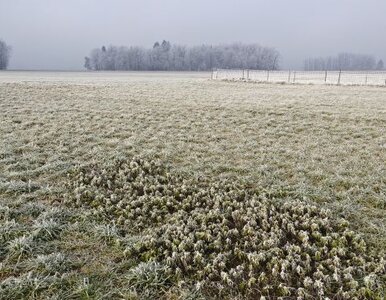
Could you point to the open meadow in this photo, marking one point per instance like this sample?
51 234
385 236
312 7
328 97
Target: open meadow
162 185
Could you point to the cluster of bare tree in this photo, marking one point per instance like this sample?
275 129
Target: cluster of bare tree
167 57
344 61
5 53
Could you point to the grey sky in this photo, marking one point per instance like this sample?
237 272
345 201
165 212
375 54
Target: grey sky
53 34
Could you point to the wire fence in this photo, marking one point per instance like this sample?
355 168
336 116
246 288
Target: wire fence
305 77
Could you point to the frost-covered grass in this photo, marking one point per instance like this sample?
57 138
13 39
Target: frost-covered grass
322 145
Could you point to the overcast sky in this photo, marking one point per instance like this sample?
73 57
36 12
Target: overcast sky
53 34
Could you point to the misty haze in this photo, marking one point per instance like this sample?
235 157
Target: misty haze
192 149
57 35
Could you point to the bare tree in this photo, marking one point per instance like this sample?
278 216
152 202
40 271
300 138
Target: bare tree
87 63
167 57
5 54
343 61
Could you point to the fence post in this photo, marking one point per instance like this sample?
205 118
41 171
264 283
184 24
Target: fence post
214 73
243 74
366 80
325 77
340 73
294 77
247 74
289 76
267 75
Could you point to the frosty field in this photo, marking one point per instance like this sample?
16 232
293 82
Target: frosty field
73 228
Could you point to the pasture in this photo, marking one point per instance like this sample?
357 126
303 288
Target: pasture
73 228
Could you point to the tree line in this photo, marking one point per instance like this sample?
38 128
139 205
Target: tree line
5 54
167 57
344 62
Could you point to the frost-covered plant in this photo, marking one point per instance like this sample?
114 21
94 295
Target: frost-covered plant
185 292
56 213
46 229
5 212
51 263
21 246
17 287
19 187
28 286
33 209
149 278
10 230
106 232
228 236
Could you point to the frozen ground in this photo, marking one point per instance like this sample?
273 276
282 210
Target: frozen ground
93 77
323 144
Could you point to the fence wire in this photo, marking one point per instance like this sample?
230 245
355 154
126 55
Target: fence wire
305 77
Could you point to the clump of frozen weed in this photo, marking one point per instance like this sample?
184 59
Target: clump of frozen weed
30 286
149 279
33 209
20 246
5 212
86 290
226 236
10 230
107 233
46 229
56 213
19 187
51 263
